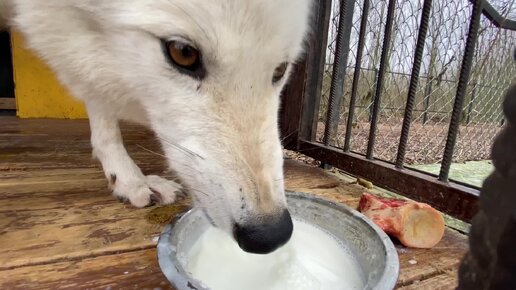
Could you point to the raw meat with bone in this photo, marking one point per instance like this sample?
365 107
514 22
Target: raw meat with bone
414 224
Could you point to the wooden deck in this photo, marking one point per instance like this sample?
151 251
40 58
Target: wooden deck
61 229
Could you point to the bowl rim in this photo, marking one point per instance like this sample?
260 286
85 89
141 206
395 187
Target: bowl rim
180 279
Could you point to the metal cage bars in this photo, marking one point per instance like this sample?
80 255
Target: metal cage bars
453 198
414 79
465 73
339 69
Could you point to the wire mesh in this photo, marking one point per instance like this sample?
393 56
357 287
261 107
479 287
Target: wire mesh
492 72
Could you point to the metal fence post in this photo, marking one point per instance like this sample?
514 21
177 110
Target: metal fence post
381 77
428 96
373 96
465 73
414 80
338 77
339 69
471 103
356 76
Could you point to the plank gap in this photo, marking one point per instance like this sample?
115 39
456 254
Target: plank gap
79 258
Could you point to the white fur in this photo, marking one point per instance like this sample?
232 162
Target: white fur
108 54
4 13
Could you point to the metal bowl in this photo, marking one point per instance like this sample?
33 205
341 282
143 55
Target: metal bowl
371 247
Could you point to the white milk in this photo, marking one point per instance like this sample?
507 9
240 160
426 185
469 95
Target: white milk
312 260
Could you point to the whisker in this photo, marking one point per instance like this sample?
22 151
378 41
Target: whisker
188 187
199 191
194 21
161 155
307 149
288 135
182 148
150 151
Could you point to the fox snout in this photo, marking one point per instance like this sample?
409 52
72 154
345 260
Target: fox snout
265 234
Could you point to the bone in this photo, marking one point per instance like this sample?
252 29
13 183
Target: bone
414 224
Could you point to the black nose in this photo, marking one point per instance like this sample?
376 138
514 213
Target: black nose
265 236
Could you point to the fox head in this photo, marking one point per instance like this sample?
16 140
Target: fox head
207 76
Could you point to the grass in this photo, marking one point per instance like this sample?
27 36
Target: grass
471 172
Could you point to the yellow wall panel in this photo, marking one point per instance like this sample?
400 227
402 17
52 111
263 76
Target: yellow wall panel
38 92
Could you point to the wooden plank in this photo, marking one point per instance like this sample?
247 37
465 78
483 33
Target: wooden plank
79 226
56 181
87 229
298 175
418 264
57 200
134 268
48 174
28 150
66 160
15 204
56 126
82 183
445 281
7 104
131 270
22 153
303 178
39 126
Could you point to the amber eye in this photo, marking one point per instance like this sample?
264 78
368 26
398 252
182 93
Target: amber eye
279 72
185 57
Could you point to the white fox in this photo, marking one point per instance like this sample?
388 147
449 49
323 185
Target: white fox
205 76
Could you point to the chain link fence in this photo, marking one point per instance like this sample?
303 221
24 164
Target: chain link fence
492 72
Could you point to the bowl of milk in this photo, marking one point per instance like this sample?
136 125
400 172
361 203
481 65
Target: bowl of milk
332 247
